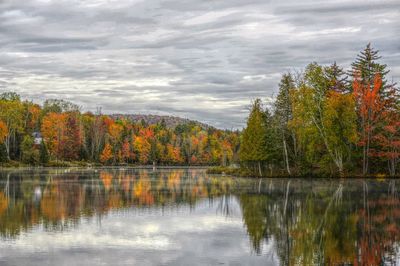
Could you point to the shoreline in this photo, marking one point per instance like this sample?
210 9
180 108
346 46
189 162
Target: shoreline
211 170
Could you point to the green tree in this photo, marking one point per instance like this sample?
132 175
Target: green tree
337 78
366 66
253 149
3 153
44 156
283 114
29 154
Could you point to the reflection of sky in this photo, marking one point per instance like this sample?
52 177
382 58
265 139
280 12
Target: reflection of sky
179 236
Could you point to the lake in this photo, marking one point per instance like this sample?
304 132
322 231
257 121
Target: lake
187 217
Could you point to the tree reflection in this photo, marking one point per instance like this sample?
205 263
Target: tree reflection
305 222
58 200
322 223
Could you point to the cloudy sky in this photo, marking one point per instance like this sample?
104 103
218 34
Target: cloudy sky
199 59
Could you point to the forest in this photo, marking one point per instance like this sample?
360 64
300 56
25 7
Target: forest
59 134
323 121
327 121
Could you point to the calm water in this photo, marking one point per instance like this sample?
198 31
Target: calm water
186 217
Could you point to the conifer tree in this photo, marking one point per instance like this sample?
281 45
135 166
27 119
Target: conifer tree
43 153
3 153
253 150
29 153
283 114
337 78
366 67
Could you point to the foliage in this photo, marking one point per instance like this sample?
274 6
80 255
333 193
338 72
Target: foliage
322 123
30 155
253 147
44 157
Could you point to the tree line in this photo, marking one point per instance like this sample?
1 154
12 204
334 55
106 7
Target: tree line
58 132
325 120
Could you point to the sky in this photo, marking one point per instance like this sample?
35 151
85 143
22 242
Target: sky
198 59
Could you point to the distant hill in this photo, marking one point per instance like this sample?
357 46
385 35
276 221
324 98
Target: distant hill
170 121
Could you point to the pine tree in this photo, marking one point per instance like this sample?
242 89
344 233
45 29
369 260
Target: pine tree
337 78
366 68
253 150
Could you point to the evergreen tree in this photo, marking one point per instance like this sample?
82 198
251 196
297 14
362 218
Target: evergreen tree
44 154
337 78
366 67
272 141
253 150
3 153
283 114
29 154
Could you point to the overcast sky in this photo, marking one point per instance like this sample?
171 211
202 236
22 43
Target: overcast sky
199 59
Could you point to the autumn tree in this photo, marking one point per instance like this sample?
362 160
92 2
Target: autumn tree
11 113
106 154
323 118
71 138
370 107
53 130
339 126
3 131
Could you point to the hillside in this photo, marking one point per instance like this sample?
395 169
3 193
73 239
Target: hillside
170 121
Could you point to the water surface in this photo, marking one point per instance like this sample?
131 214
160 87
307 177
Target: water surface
186 217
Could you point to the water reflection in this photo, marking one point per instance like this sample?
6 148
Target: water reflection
287 222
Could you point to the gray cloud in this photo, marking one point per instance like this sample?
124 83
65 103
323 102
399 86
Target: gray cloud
203 60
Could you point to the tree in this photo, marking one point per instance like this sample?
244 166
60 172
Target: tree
143 147
53 130
114 132
11 113
59 106
10 96
253 145
126 150
283 114
337 78
365 68
43 154
3 131
370 107
71 139
324 118
107 154
3 153
29 154
339 126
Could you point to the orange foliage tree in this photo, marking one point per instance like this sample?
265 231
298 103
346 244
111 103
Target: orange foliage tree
370 107
3 131
107 154
53 129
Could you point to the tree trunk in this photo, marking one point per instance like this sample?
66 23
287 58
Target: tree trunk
259 168
286 155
